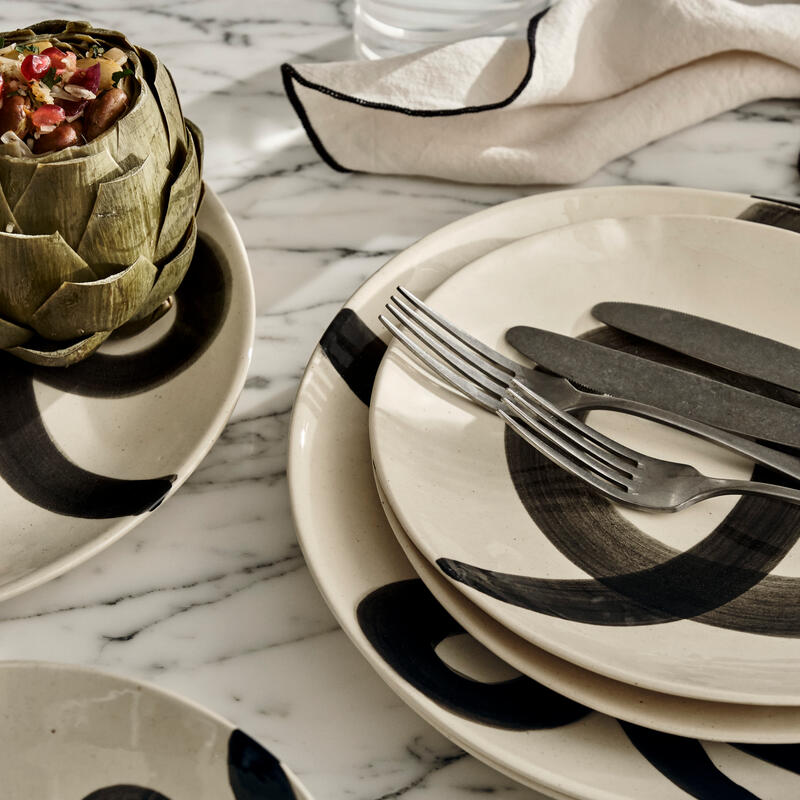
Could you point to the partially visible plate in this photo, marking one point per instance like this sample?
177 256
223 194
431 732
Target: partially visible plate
72 733
88 452
680 716
700 604
374 592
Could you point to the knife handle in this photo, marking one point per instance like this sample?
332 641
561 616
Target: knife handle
775 459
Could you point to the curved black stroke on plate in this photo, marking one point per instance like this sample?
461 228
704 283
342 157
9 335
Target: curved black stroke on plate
354 351
202 303
686 764
404 623
254 773
32 464
785 756
125 792
724 580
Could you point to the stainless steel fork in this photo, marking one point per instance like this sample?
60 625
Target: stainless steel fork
618 472
484 376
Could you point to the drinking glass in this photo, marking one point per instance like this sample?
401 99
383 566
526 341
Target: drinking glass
385 28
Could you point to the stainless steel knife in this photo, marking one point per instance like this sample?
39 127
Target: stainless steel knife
712 342
687 394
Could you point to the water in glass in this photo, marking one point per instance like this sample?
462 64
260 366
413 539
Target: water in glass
393 27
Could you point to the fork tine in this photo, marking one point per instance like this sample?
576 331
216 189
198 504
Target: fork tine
468 388
562 423
506 364
452 357
453 339
590 433
576 468
571 446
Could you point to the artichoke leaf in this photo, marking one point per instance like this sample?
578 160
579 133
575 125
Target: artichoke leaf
31 269
183 195
15 175
170 276
12 335
126 217
8 222
168 101
61 194
199 143
60 356
76 309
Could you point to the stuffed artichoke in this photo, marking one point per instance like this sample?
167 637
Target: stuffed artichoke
99 185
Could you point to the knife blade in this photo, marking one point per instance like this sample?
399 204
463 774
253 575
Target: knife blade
614 372
709 341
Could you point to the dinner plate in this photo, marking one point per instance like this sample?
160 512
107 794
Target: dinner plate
71 733
699 603
90 451
681 716
554 746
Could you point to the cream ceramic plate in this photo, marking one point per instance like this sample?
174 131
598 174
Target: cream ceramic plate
70 733
87 452
555 746
700 603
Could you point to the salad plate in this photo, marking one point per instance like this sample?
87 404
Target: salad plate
556 745
698 603
87 452
72 733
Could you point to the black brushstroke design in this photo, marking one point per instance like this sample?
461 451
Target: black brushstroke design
291 76
686 764
125 792
254 773
354 351
404 623
32 464
785 756
202 302
723 581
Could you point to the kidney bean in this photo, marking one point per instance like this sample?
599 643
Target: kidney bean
14 115
65 135
103 112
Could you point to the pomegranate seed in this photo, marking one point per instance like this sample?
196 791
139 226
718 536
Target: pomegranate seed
34 67
48 115
87 78
2 85
60 60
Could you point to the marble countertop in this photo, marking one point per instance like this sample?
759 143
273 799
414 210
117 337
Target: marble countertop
210 596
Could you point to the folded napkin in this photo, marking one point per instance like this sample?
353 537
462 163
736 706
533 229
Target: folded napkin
594 80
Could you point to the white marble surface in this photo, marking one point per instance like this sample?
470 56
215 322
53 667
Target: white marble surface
210 596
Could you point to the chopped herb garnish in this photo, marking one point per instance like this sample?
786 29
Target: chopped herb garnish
96 51
50 78
118 76
2 42
26 48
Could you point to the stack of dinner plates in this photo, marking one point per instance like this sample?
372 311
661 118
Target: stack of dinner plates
584 649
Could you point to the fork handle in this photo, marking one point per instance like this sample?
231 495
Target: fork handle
761 454
719 486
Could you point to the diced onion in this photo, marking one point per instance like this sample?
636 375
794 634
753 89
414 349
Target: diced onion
115 54
80 91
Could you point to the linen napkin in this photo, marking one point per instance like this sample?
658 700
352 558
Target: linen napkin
593 80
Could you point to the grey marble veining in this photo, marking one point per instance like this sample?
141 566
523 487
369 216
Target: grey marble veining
210 596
